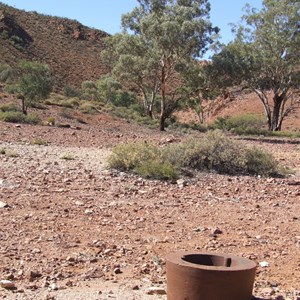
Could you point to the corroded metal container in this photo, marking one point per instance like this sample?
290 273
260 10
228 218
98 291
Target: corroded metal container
209 276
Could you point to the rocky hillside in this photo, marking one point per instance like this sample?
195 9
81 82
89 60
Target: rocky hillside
71 49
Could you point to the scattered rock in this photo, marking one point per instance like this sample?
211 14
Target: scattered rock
7 284
156 291
3 205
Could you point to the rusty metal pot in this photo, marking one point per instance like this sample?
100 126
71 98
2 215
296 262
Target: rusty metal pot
209 276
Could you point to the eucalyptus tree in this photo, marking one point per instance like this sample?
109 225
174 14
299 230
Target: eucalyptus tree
35 83
161 41
265 57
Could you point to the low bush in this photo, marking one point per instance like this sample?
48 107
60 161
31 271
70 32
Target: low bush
144 159
214 152
241 124
260 162
39 142
10 106
12 117
32 119
156 169
88 108
19 117
70 91
6 73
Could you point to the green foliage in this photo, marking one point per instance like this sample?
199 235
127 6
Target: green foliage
6 73
39 142
67 156
240 123
158 47
32 119
19 117
90 90
51 121
10 106
260 162
70 91
12 117
157 170
214 152
128 156
35 83
88 108
108 88
265 57
12 88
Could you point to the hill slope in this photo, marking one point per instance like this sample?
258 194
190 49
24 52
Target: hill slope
71 49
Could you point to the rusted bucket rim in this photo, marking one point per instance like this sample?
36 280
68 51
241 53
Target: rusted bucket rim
211 261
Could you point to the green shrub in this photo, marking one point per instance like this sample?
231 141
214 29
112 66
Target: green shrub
243 124
214 152
19 117
88 108
12 117
260 162
70 91
32 119
157 170
12 89
6 73
10 106
127 157
39 142
51 121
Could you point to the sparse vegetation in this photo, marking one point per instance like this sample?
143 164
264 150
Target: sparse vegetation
51 121
88 108
144 159
6 73
215 152
39 142
67 156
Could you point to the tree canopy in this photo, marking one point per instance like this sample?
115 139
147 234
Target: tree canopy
35 83
160 43
265 57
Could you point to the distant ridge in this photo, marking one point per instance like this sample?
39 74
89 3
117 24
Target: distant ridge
71 49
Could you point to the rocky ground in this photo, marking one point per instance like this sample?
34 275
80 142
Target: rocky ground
72 229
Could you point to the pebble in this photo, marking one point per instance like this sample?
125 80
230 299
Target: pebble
156 291
7 284
3 204
264 264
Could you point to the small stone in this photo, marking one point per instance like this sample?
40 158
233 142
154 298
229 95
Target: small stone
135 288
117 271
156 291
88 211
216 231
264 264
7 284
268 291
79 203
34 274
3 205
181 183
53 286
